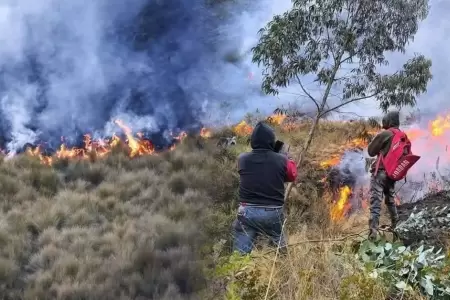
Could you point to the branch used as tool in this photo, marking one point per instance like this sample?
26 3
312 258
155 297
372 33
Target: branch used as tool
340 239
306 92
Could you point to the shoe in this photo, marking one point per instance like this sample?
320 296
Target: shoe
373 229
372 235
394 223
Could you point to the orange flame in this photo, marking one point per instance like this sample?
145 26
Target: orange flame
440 125
276 119
333 161
136 146
342 206
242 129
205 133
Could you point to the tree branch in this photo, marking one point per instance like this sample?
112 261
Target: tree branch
345 103
306 92
345 59
330 47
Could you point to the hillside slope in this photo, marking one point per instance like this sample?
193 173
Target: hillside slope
158 226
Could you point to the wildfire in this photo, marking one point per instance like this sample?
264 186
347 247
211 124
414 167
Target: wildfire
440 125
136 145
276 119
436 135
333 161
205 133
425 141
342 205
242 129
245 129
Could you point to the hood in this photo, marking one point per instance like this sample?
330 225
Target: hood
391 119
262 137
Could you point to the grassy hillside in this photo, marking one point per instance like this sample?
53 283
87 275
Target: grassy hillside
158 227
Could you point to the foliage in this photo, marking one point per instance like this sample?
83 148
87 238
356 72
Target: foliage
323 37
342 44
405 269
243 278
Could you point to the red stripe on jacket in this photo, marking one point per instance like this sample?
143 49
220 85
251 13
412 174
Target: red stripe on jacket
291 171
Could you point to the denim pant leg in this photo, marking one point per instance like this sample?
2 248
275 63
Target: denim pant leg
244 234
253 221
274 227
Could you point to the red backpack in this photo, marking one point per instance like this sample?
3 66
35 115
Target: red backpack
399 158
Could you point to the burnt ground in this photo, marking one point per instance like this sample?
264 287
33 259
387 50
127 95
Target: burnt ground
433 230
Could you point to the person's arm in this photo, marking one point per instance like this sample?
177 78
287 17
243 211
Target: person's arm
291 171
378 143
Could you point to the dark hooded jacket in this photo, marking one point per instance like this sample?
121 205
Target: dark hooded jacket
382 141
262 171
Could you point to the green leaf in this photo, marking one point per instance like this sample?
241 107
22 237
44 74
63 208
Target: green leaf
401 285
401 249
427 285
388 246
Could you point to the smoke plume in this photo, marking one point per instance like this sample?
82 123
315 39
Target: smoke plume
70 67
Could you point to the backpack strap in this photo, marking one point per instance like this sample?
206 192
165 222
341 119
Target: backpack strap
377 166
394 130
380 155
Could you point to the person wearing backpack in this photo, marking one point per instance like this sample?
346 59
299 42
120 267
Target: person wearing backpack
394 158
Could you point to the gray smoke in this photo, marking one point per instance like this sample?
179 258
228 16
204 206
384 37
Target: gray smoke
70 67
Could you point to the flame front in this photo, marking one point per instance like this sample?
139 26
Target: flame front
342 205
440 125
242 129
136 146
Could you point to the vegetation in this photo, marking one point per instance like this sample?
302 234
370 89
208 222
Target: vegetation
158 227
117 228
341 45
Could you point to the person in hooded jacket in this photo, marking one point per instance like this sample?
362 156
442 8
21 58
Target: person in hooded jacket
263 173
380 184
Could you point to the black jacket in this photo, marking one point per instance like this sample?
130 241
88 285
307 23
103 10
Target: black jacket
262 171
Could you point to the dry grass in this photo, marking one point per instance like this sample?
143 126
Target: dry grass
112 229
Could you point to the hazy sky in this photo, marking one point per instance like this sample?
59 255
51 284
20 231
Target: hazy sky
431 40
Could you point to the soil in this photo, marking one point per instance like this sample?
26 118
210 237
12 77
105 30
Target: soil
441 199
438 237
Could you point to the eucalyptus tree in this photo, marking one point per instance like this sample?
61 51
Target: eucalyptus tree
342 45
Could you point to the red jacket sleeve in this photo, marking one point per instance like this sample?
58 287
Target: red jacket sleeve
291 171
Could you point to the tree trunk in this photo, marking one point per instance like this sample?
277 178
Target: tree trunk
312 131
302 153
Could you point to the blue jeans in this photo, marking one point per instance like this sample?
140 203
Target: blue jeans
254 221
